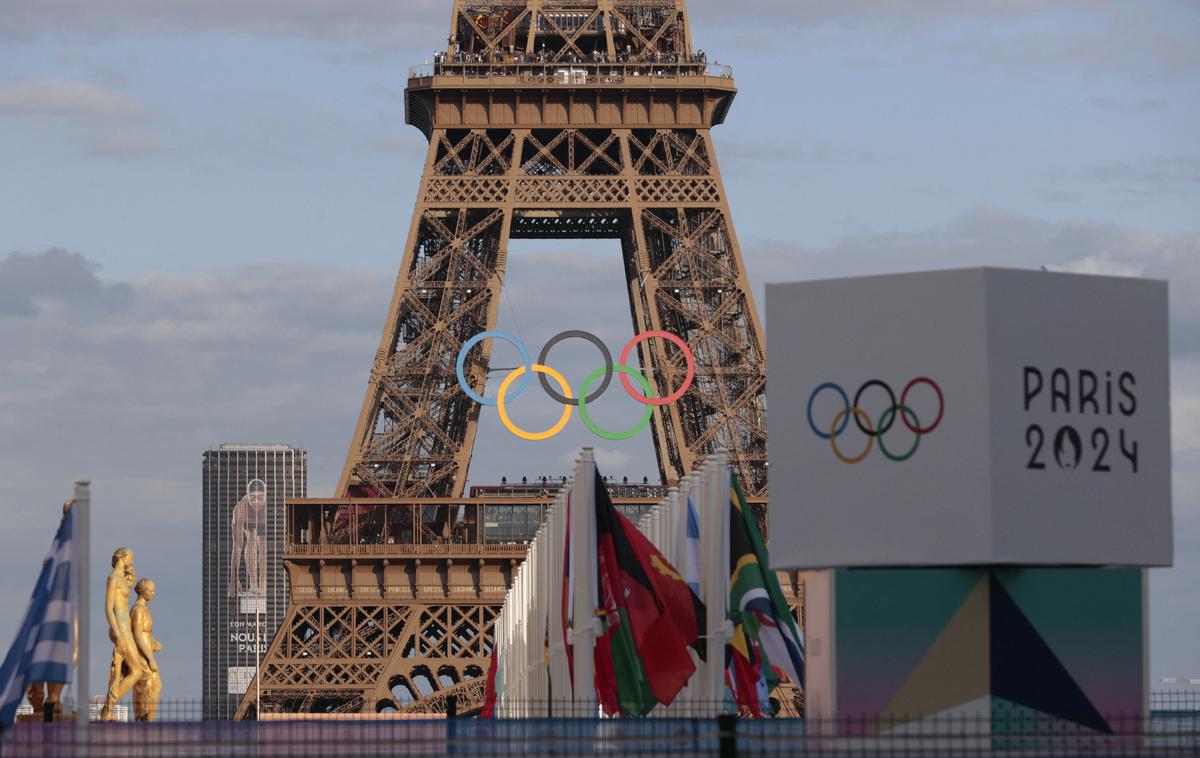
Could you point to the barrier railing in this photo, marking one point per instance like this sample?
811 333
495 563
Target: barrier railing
1173 730
569 74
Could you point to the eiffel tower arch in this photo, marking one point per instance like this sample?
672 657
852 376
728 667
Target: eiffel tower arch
545 118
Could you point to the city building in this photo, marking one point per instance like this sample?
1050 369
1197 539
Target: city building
245 590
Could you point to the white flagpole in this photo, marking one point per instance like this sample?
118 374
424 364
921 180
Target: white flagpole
678 537
82 507
714 535
583 553
560 675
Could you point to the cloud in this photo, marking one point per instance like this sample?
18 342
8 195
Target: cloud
107 123
1141 104
1060 196
67 99
325 20
30 284
124 144
607 459
1154 38
734 153
1097 266
1000 239
1150 176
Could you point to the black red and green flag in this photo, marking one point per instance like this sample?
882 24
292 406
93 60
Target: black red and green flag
650 615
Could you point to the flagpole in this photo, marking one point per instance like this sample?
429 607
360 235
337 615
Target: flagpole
82 506
561 679
679 536
583 552
715 535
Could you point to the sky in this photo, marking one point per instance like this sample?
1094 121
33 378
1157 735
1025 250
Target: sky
203 206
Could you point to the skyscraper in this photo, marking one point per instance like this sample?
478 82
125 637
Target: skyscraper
245 584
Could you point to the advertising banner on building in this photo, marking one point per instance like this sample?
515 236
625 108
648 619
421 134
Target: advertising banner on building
245 584
977 416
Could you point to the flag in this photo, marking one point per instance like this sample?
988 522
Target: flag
44 646
765 634
746 677
604 684
650 617
568 595
495 681
691 566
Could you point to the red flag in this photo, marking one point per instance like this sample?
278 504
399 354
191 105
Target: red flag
489 693
649 660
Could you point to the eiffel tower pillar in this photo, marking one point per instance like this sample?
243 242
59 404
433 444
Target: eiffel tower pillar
550 118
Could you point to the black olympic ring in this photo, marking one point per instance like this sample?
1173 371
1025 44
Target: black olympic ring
858 396
608 365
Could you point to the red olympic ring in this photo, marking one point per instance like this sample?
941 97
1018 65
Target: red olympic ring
941 405
687 354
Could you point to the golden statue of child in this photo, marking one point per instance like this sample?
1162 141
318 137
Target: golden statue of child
149 687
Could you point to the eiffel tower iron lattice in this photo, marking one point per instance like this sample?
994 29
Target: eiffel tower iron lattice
545 118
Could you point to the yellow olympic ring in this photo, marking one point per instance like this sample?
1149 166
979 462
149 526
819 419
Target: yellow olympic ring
566 415
860 413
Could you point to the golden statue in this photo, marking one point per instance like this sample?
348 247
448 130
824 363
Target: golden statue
127 667
149 687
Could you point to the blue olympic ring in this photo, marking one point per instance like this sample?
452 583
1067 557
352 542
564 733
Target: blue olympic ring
523 380
845 402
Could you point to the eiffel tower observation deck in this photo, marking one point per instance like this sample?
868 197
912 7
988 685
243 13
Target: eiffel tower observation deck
545 118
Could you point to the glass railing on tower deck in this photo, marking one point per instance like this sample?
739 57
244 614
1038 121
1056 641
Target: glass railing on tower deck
569 72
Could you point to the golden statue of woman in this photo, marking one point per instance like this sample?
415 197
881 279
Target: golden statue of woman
149 687
127 666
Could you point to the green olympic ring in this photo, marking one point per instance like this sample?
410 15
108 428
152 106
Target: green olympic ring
886 418
587 419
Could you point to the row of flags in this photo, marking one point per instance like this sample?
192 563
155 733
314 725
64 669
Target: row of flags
652 620
45 644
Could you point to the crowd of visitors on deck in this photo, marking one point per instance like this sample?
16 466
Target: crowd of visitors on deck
629 61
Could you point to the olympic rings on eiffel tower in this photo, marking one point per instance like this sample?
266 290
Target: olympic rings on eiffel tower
508 392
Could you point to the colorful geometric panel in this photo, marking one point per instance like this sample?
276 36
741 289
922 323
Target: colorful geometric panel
1026 671
1093 621
1000 646
952 671
885 622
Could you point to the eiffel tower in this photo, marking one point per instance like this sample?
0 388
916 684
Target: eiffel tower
545 118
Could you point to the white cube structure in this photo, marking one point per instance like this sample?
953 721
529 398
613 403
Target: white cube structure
969 417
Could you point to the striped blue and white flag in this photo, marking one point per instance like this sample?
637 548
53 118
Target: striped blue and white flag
45 644
691 563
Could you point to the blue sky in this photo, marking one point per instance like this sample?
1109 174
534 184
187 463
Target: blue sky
208 200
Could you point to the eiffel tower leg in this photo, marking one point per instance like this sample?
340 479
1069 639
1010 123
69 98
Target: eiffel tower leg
686 276
416 428
414 438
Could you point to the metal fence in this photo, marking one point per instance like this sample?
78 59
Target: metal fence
1172 728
